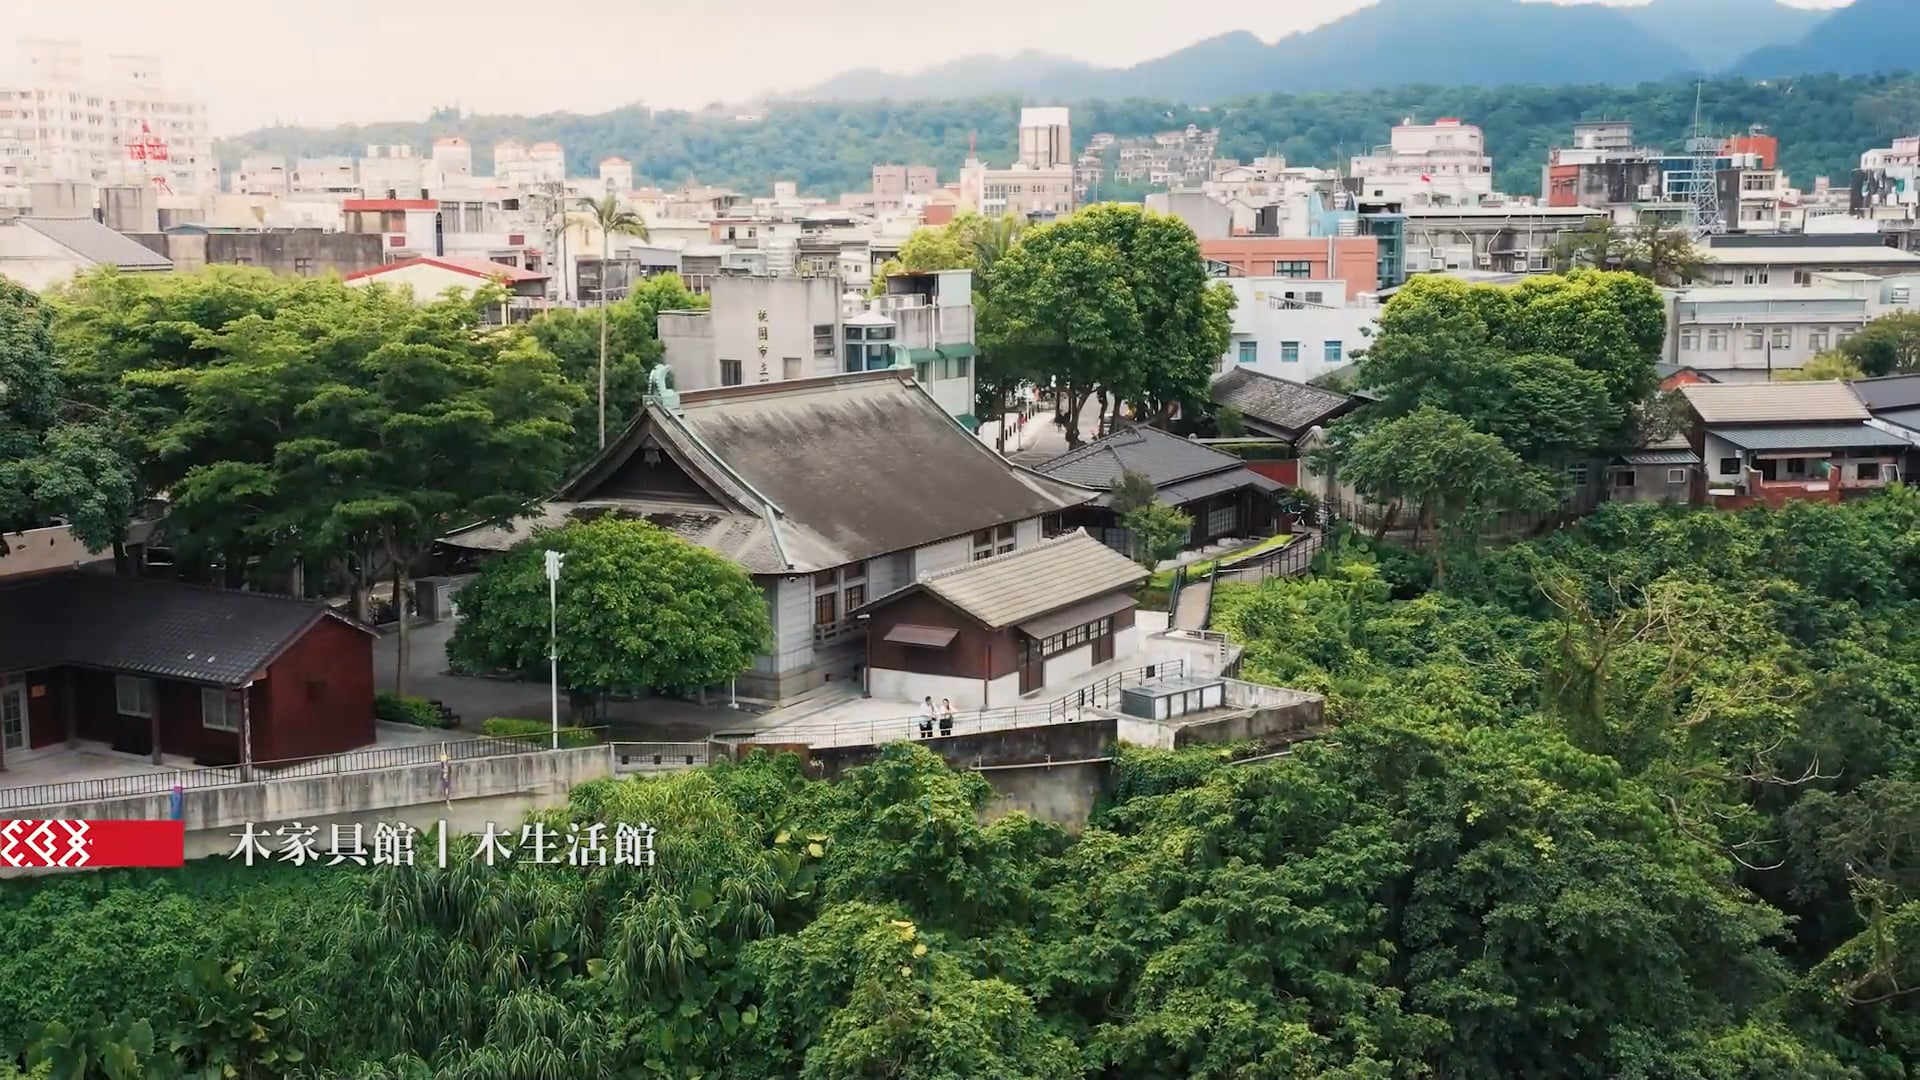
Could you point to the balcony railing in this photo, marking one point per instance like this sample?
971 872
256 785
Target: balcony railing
834 632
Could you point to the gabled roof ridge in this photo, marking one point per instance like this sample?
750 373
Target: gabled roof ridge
996 560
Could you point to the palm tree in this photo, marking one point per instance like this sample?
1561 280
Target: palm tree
609 217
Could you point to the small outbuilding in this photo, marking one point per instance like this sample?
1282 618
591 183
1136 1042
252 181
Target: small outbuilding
987 633
158 667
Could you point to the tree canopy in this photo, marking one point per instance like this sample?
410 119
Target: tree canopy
1633 800
637 609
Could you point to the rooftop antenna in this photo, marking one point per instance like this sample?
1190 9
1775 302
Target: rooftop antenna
1699 184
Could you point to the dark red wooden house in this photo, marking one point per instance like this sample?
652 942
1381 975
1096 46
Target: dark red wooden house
154 667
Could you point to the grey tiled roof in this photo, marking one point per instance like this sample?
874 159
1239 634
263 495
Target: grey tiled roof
153 628
1808 437
1010 589
805 475
1162 458
1288 407
1906 418
97 243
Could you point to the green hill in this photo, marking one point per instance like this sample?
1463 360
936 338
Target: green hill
1824 122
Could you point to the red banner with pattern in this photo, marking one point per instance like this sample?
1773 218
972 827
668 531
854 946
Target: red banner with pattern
76 845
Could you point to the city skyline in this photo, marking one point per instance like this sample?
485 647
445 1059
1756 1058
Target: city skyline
398 59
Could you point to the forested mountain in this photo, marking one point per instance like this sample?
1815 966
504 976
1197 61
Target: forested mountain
1869 36
1824 122
1474 42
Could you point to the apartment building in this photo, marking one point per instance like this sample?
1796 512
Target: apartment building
780 329
893 183
1731 331
1296 328
1021 191
66 117
1794 259
1887 183
1442 163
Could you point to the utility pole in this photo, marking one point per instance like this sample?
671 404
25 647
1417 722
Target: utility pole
555 561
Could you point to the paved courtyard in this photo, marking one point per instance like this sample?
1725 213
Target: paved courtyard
475 699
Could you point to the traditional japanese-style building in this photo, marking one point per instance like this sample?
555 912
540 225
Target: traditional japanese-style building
156 667
985 634
1280 408
1217 490
830 492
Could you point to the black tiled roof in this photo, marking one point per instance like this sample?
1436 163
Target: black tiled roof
1288 408
1162 458
156 628
1889 392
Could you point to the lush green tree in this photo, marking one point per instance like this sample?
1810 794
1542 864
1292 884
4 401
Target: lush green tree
1832 364
55 460
1058 306
1519 363
1159 532
1111 300
1452 477
638 609
1663 255
1888 344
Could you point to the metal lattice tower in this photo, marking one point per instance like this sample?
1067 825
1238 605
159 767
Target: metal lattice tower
1699 185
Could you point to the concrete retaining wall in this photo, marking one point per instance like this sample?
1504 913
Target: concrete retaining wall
1077 740
476 791
1063 794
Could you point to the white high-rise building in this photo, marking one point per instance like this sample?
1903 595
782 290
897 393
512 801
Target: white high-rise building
64 120
1046 139
1444 163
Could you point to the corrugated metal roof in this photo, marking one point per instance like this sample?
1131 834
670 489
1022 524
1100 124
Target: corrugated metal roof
1660 457
1808 437
1774 402
1010 589
1906 418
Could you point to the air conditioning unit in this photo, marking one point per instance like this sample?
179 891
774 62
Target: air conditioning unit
1646 192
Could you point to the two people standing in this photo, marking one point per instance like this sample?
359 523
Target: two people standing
928 714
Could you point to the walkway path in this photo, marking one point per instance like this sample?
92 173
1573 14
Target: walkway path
1196 598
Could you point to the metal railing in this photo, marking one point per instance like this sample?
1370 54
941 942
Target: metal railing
1104 694
664 756
353 761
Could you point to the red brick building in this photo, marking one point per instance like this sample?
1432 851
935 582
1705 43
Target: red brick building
153 667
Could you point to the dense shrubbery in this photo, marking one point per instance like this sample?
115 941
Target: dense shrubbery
1637 800
536 731
407 709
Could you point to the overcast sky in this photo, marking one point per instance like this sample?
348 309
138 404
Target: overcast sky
332 61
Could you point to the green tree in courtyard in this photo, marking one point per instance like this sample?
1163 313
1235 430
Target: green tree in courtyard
609 217
639 609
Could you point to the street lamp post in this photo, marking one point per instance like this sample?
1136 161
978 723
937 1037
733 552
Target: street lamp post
555 561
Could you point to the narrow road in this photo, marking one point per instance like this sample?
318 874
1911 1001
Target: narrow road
1195 597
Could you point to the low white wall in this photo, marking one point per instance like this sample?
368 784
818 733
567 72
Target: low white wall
497 789
1004 692
1126 642
910 686
1070 665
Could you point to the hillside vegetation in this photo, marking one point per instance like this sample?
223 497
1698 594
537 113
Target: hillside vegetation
1824 123
1635 801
